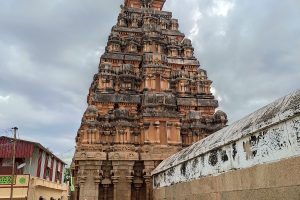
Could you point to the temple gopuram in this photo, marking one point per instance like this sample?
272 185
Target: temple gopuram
149 99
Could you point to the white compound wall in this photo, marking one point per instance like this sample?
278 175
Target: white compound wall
268 135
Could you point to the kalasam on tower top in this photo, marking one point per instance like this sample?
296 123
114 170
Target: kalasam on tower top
149 99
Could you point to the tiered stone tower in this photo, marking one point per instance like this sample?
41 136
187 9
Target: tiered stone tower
149 99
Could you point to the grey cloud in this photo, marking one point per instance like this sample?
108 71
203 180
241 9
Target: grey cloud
256 61
49 51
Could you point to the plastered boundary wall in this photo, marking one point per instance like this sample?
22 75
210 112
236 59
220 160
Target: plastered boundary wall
275 181
267 137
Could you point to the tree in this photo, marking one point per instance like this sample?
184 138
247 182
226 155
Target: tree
67 176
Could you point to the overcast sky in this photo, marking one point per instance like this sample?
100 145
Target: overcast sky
49 52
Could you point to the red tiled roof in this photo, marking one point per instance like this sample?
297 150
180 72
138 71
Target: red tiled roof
24 148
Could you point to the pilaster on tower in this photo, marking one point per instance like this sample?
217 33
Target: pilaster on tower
155 4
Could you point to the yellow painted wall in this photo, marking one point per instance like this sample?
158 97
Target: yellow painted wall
35 188
46 189
20 188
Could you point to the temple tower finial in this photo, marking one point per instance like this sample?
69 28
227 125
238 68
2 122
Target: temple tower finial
155 4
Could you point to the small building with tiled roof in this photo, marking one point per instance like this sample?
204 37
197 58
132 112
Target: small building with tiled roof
44 170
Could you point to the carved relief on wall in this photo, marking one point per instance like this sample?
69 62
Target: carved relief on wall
123 156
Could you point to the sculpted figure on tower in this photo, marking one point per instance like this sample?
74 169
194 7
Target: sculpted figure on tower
149 99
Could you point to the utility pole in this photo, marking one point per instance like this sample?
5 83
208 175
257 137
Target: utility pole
13 163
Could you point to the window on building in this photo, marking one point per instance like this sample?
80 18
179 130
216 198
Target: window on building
48 172
6 162
58 176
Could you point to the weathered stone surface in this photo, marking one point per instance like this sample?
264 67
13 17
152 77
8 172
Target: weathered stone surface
117 98
149 99
123 156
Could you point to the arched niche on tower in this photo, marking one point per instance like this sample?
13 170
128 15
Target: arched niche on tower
132 47
122 20
158 83
174 25
188 52
114 47
163 23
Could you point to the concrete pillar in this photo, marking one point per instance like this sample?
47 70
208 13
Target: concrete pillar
106 182
118 137
97 180
178 127
149 167
75 194
157 136
169 126
89 179
137 186
148 186
146 132
190 138
105 190
115 181
127 136
122 179
129 182
97 136
146 83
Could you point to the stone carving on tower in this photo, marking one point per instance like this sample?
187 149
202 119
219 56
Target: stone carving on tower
149 99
